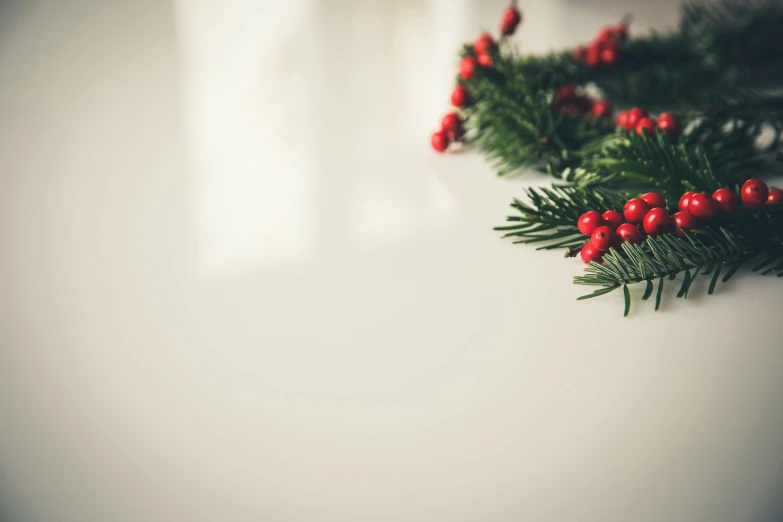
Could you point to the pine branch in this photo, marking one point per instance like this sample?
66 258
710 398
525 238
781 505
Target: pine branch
630 165
700 72
641 164
736 37
719 44
714 73
516 127
732 242
551 214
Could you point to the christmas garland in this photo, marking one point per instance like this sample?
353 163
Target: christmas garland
640 199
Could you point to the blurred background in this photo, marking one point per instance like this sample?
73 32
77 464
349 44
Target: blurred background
238 285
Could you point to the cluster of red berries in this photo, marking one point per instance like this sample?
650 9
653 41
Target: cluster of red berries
753 193
484 46
612 228
571 100
637 119
604 49
451 129
451 126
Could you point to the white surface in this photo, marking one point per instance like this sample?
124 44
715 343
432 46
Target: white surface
238 286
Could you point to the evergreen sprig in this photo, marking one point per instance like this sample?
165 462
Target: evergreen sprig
631 162
720 73
551 214
516 128
753 236
700 72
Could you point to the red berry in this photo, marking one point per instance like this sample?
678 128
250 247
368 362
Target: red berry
613 219
450 122
775 196
590 253
602 238
645 126
658 221
459 96
512 15
610 56
572 109
622 120
451 125
485 60
702 206
635 210
511 18
467 67
725 199
683 204
669 123
629 233
593 56
634 115
566 91
578 54
589 221
483 44
654 199
754 192
439 141
507 29
601 109
684 221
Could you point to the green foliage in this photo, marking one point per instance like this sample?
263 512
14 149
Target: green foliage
551 215
516 127
720 45
740 40
708 73
633 163
731 242
718 73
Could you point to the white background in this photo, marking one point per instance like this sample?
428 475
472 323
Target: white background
236 284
